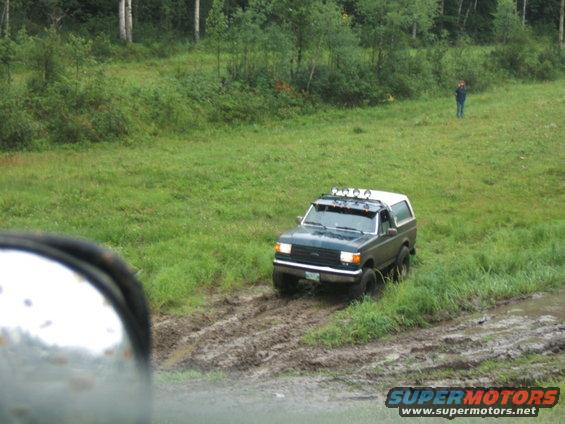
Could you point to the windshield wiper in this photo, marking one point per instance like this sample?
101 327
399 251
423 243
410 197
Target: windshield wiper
314 223
350 228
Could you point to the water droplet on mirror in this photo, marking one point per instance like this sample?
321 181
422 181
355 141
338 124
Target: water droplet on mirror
46 324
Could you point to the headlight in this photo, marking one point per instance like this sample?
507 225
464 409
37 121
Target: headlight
283 248
350 258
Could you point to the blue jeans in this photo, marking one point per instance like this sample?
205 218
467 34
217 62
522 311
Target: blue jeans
460 108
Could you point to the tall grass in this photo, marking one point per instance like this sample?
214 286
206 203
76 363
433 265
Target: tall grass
513 262
201 211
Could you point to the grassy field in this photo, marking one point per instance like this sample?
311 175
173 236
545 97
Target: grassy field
201 211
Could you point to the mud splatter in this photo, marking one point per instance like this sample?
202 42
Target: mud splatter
259 335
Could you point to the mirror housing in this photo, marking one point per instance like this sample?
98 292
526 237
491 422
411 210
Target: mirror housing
299 219
74 327
392 232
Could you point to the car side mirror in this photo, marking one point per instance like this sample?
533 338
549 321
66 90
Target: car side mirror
74 329
299 219
392 232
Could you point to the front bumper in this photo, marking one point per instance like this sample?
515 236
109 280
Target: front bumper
327 274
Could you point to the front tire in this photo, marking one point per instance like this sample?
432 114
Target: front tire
285 284
366 285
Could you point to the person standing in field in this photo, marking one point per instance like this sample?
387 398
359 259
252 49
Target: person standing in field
460 95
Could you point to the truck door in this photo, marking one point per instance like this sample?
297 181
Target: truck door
388 248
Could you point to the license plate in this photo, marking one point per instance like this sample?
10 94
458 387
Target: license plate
314 276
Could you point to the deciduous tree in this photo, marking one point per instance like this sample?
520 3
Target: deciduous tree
129 21
561 18
122 19
217 27
5 19
196 20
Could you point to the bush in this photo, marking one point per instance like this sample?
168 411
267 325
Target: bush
527 58
75 113
168 108
461 63
405 74
17 126
45 57
102 47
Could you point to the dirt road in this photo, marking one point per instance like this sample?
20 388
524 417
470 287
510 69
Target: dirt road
259 334
244 361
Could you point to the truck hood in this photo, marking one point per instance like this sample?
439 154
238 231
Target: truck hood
325 238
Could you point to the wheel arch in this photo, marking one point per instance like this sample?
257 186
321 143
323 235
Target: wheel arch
369 263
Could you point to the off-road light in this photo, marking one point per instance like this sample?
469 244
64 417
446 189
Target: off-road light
334 190
283 248
367 194
350 258
345 191
356 192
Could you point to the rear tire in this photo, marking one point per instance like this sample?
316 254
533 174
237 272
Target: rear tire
285 284
402 264
366 285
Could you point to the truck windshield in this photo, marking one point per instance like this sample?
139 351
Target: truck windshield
341 218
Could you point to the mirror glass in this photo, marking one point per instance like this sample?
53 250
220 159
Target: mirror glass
65 354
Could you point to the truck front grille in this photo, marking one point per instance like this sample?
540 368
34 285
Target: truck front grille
315 255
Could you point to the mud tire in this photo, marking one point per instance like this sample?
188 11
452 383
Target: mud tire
366 285
285 284
402 264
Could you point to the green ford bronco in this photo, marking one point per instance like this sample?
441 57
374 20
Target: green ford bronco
346 237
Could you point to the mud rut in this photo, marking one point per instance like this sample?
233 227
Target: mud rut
259 334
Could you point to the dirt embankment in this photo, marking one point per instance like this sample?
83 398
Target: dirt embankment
259 334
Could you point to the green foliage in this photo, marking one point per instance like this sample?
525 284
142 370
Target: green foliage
217 27
523 58
280 59
200 211
507 24
45 57
79 51
7 57
78 113
102 47
17 126
441 290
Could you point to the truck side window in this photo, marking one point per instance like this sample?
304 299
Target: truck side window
401 211
384 222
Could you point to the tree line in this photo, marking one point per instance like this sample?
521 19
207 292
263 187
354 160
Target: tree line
274 59
173 18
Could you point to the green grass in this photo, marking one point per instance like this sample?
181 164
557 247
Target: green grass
202 211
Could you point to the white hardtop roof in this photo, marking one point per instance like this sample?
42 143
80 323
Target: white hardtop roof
385 197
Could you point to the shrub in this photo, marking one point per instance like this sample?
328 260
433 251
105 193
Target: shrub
80 112
102 47
405 75
7 57
526 59
45 56
350 85
17 126
167 107
471 66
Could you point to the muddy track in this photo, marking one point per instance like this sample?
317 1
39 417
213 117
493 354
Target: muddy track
260 334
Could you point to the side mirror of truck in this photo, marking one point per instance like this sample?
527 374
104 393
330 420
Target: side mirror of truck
74 333
298 220
392 232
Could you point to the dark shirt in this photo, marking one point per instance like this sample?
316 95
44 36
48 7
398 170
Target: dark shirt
460 94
